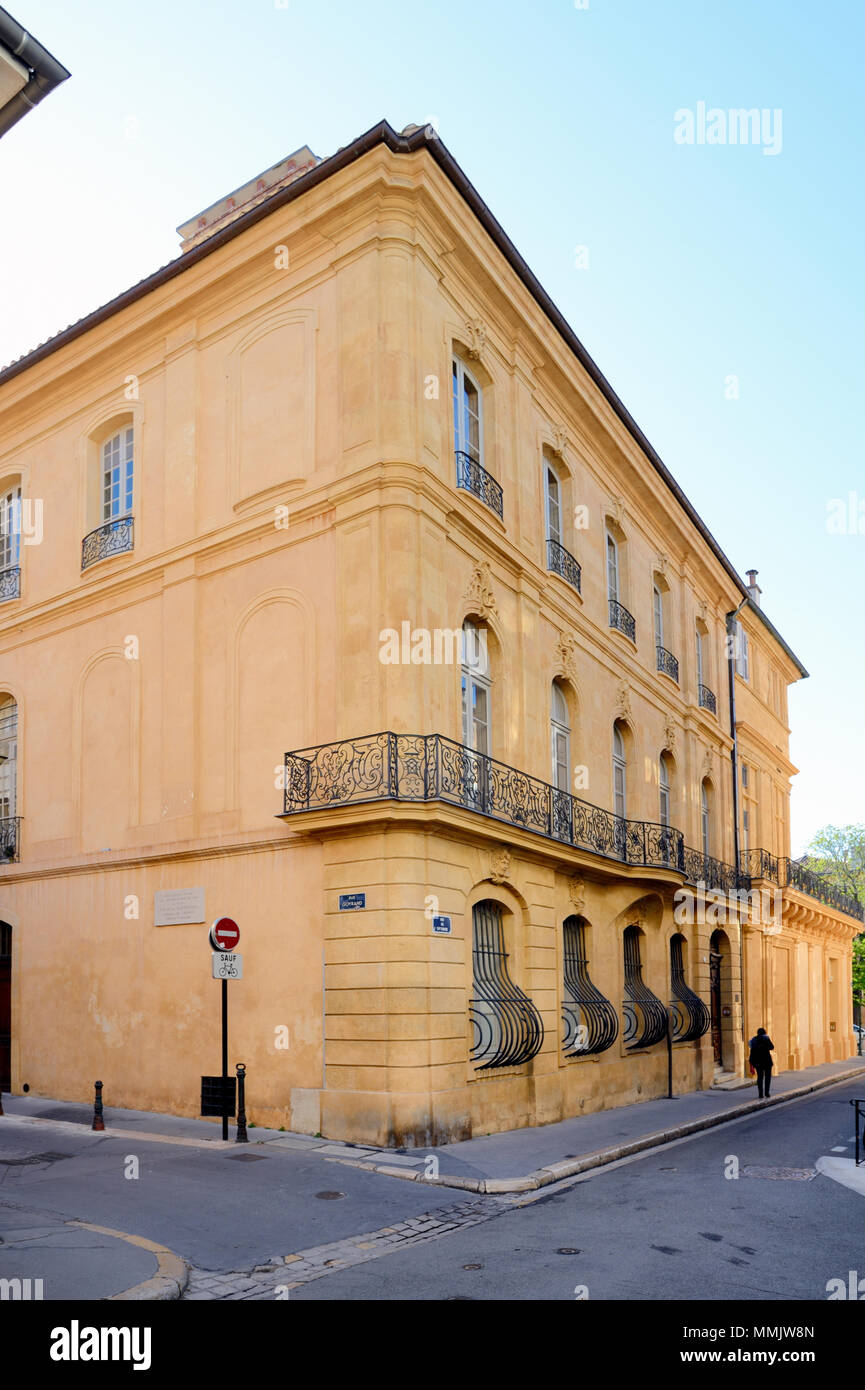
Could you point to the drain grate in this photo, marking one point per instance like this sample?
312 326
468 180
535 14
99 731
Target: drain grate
781 1174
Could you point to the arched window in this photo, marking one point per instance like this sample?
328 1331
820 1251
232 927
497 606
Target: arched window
690 1017
664 789
701 663
620 771
591 1024
10 527
117 474
467 413
506 1026
553 493
612 569
561 739
645 1015
476 686
658 610
706 816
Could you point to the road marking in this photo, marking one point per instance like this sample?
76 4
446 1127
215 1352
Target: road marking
839 1149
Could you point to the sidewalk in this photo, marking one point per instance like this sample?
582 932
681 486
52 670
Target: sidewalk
519 1160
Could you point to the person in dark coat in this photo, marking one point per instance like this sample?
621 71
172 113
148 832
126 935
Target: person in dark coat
760 1059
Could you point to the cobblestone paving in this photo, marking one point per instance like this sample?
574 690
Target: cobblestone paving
286 1272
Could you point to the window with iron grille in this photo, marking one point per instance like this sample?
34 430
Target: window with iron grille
590 1020
645 1015
690 1016
506 1026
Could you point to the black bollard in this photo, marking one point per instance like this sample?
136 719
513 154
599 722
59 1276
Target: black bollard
240 1136
98 1122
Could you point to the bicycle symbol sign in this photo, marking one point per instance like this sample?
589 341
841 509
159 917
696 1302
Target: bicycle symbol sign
227 965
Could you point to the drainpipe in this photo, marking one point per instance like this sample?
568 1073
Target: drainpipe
46 72
734 762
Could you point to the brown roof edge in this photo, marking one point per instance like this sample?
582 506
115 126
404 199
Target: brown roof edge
383 133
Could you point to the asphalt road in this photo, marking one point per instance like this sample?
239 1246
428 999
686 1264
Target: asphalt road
664 1226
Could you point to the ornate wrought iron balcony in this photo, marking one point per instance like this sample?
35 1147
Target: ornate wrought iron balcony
707 698
507 1029
797 875
10 839
429 767
622 620
472 476
561 561
113 538
668 663
590 1020
690 1018
10 583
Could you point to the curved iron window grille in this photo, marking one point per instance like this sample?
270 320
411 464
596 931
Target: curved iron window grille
506 1026
10 839
590 1020
561 561
10 583
668 664
707 699
690 1016
645 1015
622 620
113 538
474 478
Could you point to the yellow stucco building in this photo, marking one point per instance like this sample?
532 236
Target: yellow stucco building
345 598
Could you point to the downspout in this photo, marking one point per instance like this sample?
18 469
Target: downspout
47 72
734 762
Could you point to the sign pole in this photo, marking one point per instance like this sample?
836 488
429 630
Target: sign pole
225 1059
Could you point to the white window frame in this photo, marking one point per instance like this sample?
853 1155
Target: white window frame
664 792
475 677
620 776
10 528
122 462
612 568
554 527
743 653
8 760
460 375
700 663
705 821
560 732
658 615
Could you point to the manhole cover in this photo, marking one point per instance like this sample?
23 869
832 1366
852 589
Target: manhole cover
329 1196
247 1158
472 1266
781 1174
567 1250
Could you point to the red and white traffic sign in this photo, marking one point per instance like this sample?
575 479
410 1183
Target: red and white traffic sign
224 934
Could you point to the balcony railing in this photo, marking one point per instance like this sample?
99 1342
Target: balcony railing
668 663
429 767
622 620
707 698
788 873
10 839
113 538
472 476
10 583
561 561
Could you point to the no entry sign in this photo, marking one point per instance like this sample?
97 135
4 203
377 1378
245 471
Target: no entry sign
224 934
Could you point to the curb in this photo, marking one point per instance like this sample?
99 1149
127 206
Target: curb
170 1279
600 1158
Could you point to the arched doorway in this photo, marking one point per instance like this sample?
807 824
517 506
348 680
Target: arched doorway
5 1007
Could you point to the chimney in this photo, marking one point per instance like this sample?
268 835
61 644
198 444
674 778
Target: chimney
754 589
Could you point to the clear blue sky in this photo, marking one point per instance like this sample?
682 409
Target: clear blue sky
705 261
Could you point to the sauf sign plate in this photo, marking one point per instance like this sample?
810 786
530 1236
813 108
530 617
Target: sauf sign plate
227 965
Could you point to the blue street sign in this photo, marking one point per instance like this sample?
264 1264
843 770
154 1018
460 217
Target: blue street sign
442 926
351 902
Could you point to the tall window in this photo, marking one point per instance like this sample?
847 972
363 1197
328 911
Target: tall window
705 818
700 668
476 688
117 475
10 528
554 510
612 568
664 790
507 1029
743 655
746 830
658 606
8 759
619 773
467 413
561 738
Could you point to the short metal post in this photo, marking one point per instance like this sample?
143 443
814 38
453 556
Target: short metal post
241 1136
98 1122
670 1095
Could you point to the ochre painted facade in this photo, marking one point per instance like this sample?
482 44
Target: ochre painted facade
295 496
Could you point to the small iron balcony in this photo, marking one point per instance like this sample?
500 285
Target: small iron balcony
707 699
10 839
561 561
472 476
622 620
113 538
668 664
10 583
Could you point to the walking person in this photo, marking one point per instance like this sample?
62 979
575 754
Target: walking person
760 1059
